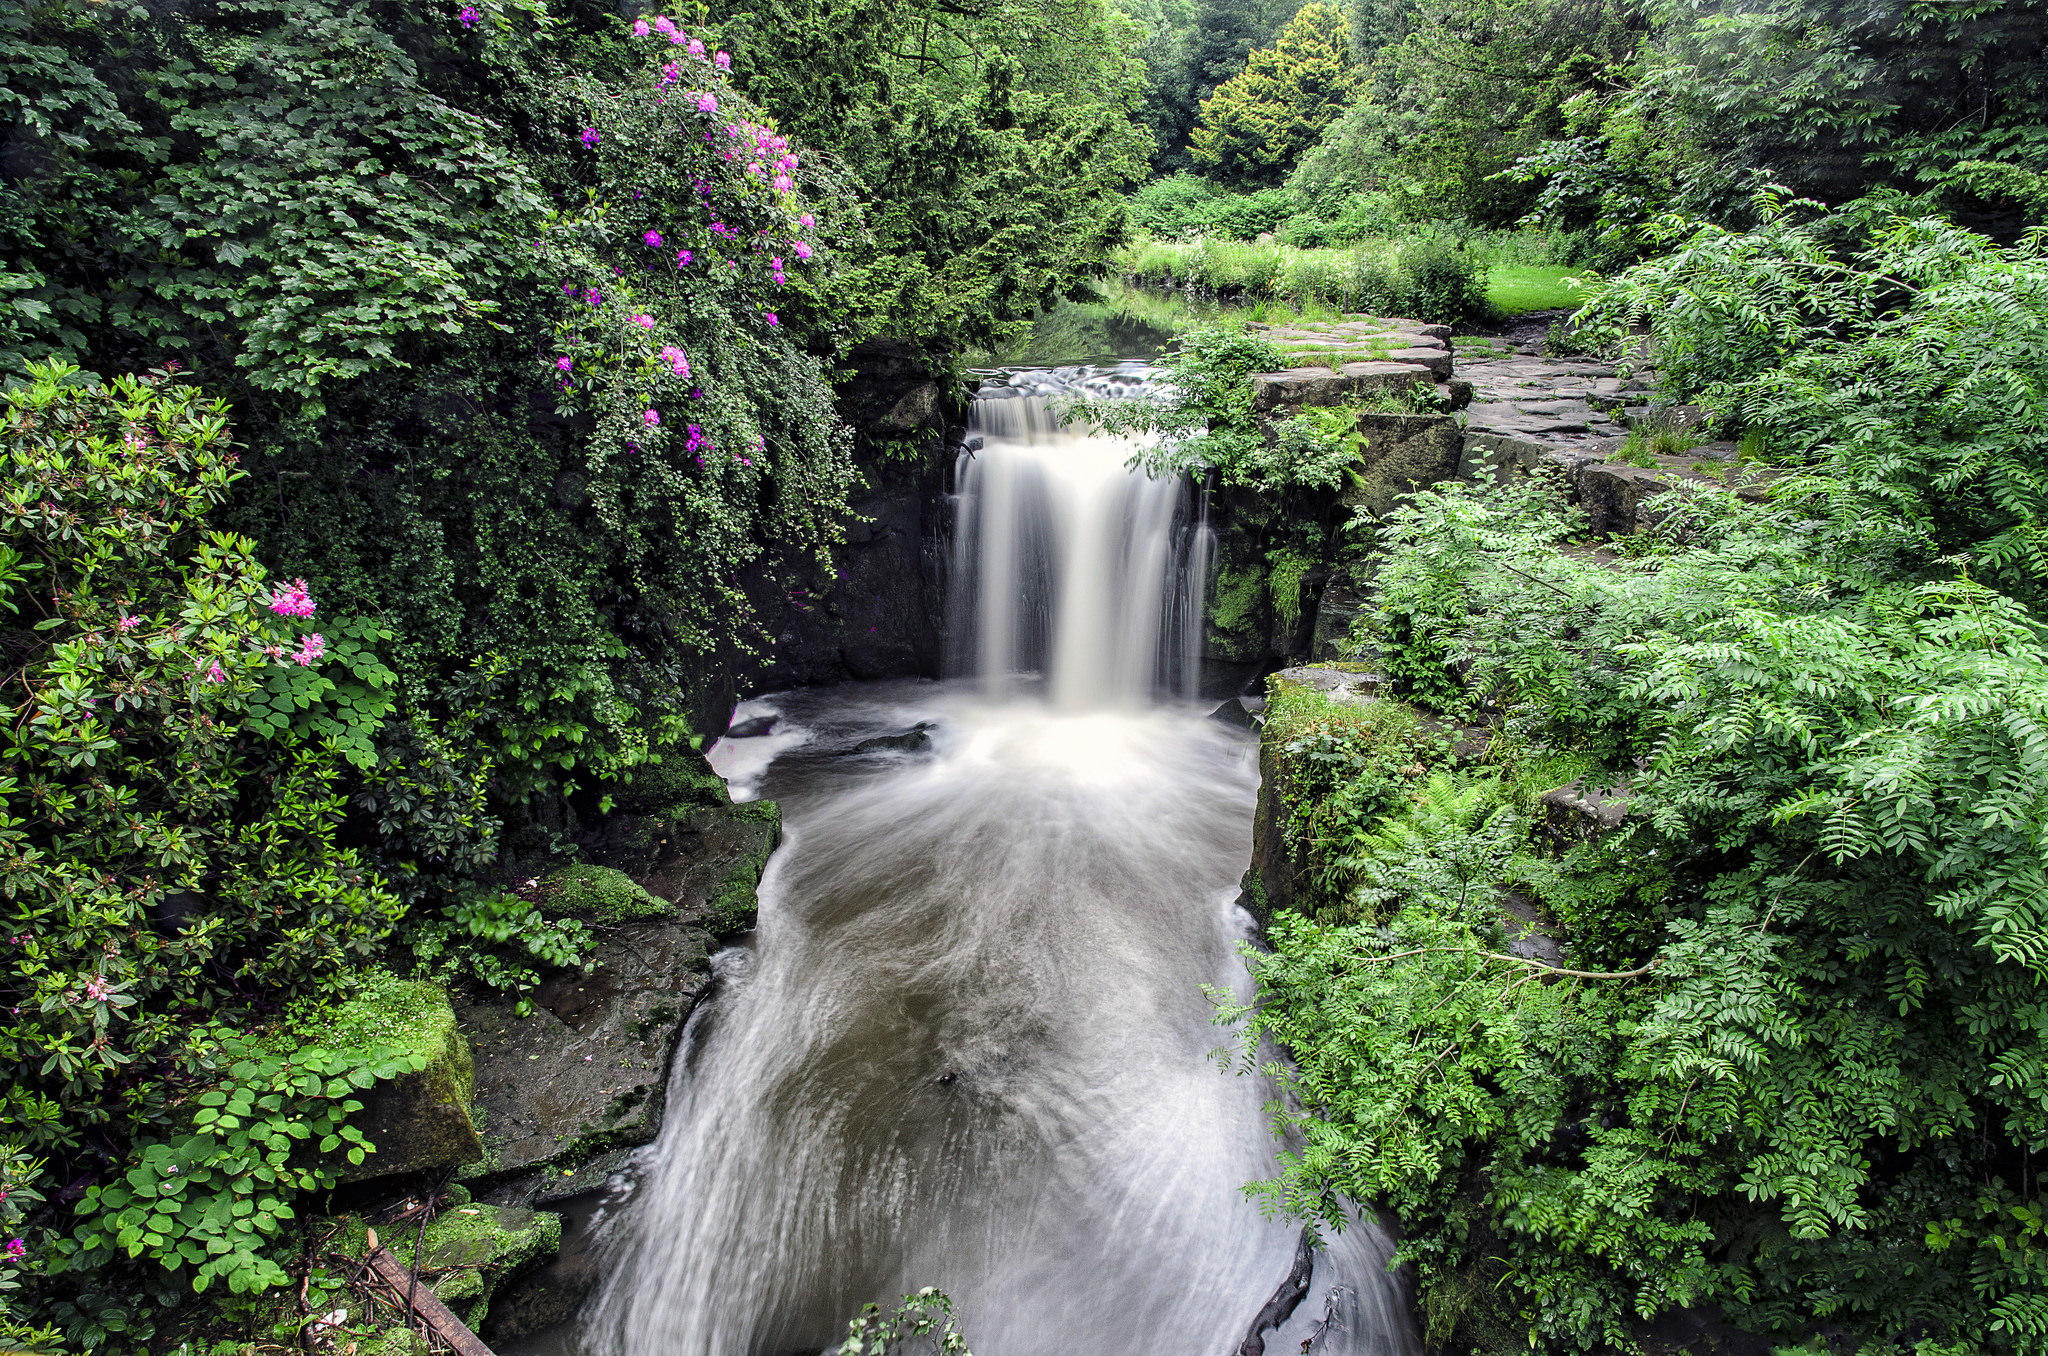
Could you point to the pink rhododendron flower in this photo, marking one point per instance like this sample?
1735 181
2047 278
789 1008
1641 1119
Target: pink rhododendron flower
684 257
723 61
696 48
310 648
292 600
707 103
652 240
783 183
639 28
664 24
96 989
670 73
590 138
16 1248
216 674
645 322
772 320
800 249
130 623
469 16
651 418
564 364
806 221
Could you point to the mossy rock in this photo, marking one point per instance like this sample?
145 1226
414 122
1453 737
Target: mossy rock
732 905
675 776
465 1254
597 894
420 1120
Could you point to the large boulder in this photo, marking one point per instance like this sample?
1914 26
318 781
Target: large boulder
585 1068
1403 453
418 1121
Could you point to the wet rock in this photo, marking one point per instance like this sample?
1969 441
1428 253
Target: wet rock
916 739
588 1069
1240 713
752 729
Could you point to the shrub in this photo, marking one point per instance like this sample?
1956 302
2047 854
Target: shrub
178 749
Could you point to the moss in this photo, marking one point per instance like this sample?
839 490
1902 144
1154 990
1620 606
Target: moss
733 904
388 1011
466 1253
1296 709
420 1120
673 777
1238 590
597 894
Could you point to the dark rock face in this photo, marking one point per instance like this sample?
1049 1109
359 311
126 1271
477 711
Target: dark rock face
1404 453
880 611
588 1069
882 614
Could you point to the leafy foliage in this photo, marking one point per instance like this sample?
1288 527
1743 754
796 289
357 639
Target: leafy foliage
926 1316
207 1204
1906 368
1786 1068
984 147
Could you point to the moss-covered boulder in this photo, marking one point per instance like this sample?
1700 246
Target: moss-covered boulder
596 894
677 775
420 1120
466 1255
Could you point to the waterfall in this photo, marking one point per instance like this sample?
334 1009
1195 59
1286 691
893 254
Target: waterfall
971 1044
1070 564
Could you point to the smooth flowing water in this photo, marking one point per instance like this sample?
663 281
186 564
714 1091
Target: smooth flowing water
970 1045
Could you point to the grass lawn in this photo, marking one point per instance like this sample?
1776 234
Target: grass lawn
1516 289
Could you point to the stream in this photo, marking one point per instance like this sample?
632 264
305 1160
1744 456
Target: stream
971 1044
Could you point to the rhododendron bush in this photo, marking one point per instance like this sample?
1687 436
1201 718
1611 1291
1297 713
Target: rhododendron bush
712 429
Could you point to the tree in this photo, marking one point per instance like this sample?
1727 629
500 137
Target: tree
1258 122
1455 93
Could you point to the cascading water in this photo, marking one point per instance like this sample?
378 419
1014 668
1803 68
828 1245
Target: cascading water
969 1046
1070 559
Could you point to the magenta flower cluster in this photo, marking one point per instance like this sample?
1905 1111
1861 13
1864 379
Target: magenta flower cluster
311 647
468 16
292 600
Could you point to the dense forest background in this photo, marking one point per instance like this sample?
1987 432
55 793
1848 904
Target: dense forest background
414 415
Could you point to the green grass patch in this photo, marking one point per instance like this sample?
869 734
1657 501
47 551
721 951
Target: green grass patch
1517 289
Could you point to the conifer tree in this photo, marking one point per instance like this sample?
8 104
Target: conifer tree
1258 122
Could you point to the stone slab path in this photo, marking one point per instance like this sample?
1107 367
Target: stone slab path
1517 392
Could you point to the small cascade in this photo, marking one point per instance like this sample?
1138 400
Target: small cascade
1069 563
